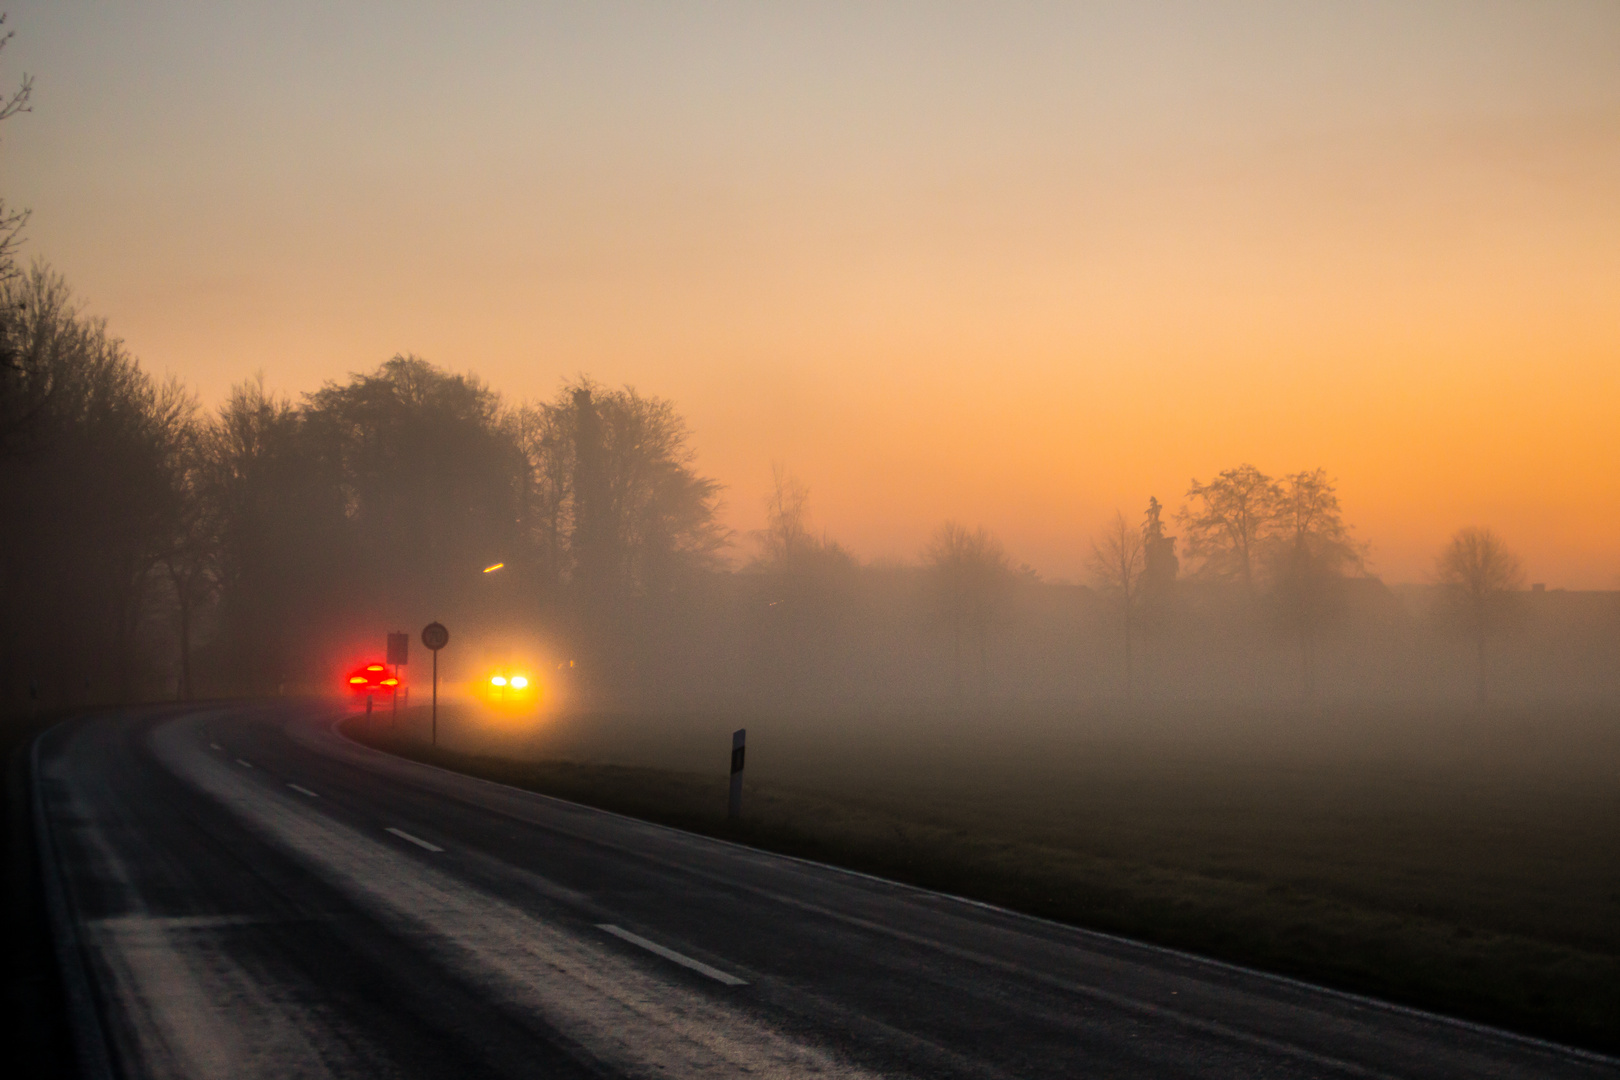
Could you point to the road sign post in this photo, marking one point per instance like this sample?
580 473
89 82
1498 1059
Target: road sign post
399 651
435 637
738 746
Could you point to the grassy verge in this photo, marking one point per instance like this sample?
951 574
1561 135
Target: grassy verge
1489 895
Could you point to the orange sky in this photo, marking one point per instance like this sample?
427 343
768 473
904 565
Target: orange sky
1016 268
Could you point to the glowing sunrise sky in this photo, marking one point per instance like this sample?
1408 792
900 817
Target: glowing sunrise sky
1014 264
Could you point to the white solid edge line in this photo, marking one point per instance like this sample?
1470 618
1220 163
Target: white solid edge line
417 840
244 764
670 954
302 790
1350 996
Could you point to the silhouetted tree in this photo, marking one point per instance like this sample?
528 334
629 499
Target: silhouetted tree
1116 564
971 574
544 435
284 552
89 504
1229 521
662 513
805 586
24 384
1310 553
786 517
12 220
595 543
615 510
432 480
1478 577
191 559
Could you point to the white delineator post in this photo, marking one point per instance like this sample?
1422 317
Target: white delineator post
738 741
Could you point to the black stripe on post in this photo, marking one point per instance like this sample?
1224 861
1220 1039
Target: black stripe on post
738 747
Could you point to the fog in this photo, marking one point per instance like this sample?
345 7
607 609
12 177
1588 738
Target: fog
165 543
1116 463
159 547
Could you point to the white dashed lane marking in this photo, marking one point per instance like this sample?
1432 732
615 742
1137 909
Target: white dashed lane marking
302 790
216 746
671 955
244 764
417 840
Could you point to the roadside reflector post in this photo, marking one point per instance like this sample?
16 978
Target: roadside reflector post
435 637
738 746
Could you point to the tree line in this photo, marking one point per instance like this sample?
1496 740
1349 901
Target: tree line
152 546
279 530
149 539
1286 555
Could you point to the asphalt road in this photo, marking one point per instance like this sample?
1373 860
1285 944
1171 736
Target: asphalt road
254 895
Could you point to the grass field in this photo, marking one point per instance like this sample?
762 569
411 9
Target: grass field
1463 862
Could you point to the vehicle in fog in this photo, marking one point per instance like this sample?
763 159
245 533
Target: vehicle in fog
373 678
509 687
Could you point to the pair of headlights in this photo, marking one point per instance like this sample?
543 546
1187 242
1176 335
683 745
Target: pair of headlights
516 682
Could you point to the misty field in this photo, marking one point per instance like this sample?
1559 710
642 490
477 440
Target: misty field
1461 861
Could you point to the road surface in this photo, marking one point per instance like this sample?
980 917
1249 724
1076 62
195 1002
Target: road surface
251 894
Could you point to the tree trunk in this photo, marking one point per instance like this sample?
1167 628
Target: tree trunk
129 613
182 600
1479 655
1307 666
1130 682
984 661
956 659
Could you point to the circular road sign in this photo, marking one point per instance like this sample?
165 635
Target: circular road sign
435 636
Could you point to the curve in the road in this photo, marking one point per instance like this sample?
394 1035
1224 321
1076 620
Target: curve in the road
244 892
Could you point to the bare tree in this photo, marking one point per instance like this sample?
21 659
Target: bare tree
1478 576
544 433
971 573
1310 553
285 555
1234 515
786 517
191 558
24 382
12 220
806 590
613 498
619 520
89 507
1117 562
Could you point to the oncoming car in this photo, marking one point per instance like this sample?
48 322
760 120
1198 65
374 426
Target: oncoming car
509 686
